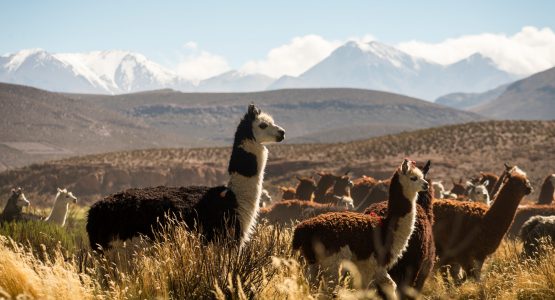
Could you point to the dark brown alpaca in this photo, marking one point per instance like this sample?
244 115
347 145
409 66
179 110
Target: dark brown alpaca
324 184
379 193
304 190
459 188
340 194
466 233
372 243
361 187
14 207
288 212
417 263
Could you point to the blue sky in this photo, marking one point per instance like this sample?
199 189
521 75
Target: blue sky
239 31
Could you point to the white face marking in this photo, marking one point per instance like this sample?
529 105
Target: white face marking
265 131
412 181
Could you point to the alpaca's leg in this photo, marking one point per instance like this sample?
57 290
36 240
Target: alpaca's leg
445 270
455 271
385 284
476 270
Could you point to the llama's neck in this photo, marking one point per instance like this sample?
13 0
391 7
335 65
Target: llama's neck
246 170
546 193
58 214
11 209
401 215
426 201
500 215
322 188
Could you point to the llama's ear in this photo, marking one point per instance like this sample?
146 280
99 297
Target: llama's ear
507 167
59 190
426 168
405 166
348 171
469 184
253 110
486 183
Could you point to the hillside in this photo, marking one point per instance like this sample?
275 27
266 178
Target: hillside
38 125
468 101
456 151
532 98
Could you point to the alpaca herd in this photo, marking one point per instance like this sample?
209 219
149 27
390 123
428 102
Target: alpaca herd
394 231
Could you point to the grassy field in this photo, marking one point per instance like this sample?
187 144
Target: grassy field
43 261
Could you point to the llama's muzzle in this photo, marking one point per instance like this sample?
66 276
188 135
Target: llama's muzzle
281 135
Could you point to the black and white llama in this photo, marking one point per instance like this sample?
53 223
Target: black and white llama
215 211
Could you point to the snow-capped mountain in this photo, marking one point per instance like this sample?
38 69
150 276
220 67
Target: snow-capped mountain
378 66
235 81
94 72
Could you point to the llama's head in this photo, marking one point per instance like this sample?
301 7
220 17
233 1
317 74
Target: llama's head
478 192
458 187
65 196
519 177
411 179
18 198
439 189
261 126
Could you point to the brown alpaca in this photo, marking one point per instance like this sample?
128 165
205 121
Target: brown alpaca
324 184
372 243
417 262
379 193
547 190
361 187
288 212
458 188
524 213
304 190
466 233
491 179
340 194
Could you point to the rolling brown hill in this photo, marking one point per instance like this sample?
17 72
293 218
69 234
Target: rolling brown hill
456 151
38 125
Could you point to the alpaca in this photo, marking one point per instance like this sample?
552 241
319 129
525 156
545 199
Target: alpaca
417 262
372 243
491 180
547 192
304 190
60 208
288 193
524 213
341 193
466 233
478 192
287 212
535 230
458 188
380 192
439 189
14 206
324 184
265 198
213 210
361 187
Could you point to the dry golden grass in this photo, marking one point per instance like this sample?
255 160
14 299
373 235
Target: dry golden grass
178 266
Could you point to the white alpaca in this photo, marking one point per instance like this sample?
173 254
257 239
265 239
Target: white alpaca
479 192
439 189
58 214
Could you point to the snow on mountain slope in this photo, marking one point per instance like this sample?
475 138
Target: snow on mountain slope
235 81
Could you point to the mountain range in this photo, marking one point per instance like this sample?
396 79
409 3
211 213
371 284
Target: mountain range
370 65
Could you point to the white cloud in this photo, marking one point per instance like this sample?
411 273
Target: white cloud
527 51
200 64
293 58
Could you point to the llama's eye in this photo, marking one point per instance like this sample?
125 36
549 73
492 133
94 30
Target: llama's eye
263 125
413 178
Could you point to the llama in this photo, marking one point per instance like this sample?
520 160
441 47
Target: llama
214 211
479 192
304 190
341 193
372 243
526 212
361 187
458 188
439 189
14 206
288 212
466 233
491 180
535 230
265 198
60 208
324 184
547 192
417 262
380 192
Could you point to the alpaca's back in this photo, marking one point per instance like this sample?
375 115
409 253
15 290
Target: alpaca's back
533 230
138 211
